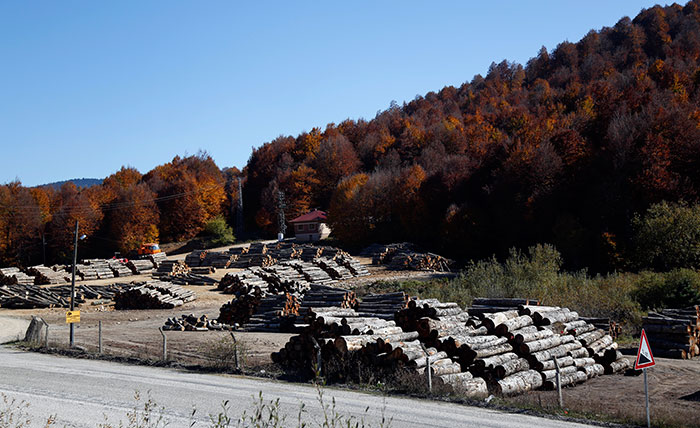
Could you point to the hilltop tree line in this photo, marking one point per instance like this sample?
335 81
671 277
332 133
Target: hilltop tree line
566 149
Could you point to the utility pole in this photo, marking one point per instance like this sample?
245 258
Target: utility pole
282 225
72 284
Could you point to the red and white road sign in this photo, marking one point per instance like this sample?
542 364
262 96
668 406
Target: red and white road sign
644 357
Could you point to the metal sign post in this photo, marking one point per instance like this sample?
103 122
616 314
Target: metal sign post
644 360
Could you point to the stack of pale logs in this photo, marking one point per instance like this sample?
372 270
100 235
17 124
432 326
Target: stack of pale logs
674 333
274 313
232 283
119 268
321 296
44 275
13 275
156 258
152 295
383 305
94 268
141 266
193 323
255 256
335 270
171 267
29 296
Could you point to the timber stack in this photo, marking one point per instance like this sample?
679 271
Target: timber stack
220 259
382 254
483 305
192 279
100 267
233 283
171 267
274 313
321 296
13 275
44 275
419 261
193 323
335 270
152 295
119 268
350 263
239 310
140 266
196 258
29 296
312 273
674 333
202 270
383 305
156 258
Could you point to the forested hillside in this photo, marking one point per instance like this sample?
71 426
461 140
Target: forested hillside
565 150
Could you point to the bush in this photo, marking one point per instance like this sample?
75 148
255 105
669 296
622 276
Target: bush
225 354
676 289
218 232
667 236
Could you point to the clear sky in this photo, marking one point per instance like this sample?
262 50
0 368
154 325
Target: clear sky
89 86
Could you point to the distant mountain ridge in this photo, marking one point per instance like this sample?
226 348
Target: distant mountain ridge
79 182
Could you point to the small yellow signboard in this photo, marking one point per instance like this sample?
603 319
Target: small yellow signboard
72 317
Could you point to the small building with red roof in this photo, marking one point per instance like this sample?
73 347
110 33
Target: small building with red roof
311 226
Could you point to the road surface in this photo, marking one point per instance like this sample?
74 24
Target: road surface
82 393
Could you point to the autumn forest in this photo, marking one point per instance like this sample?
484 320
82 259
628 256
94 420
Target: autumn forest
565 149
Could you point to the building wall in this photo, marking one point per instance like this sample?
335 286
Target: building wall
311 231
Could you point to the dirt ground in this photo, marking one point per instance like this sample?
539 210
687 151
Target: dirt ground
674 384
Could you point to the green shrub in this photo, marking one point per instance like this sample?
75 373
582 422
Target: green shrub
218 232
676 289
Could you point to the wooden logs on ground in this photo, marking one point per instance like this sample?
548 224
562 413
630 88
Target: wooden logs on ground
192 279
152 295
319 296
141 266
518 383
29 296
44 275
383 305
193 323
171 267
674 333
13 275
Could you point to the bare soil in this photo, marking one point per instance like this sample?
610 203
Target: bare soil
674 384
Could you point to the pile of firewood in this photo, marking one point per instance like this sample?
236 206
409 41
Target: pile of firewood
171 267
13 275
192 323
152 295
674 333
44 275
29 296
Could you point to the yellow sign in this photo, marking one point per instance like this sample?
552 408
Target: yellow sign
72 316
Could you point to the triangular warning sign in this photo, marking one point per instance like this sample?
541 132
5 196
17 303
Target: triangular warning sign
644 357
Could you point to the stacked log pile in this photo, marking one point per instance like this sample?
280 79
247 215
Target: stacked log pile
29 296
310 252
383 305
202 270
192 279
119 268
152 295
351 264
382 254
274 313
98 267
193 323
232 283
195 258
284 278
322 296
13 275
674 333
239 310
140 266
255 256
171 267
221 260
156 258
44 275
312 273
335 270
419 261
483 305
285 251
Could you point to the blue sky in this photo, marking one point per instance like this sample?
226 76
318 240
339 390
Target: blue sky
89 86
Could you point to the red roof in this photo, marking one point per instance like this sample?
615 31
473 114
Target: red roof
314 215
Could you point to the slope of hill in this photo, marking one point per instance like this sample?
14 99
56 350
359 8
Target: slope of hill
563 150
79 182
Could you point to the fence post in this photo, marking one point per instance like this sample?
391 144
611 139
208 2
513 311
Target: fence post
556 367
235 352
165 344
99 337
427 368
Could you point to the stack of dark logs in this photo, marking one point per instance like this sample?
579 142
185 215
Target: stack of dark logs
202 270
674 333
221 260
171 267
311 272
335 270
152 295
13 275
29 296
274 313
382 254
321 296
193 323
419 261
156 258
255 256
44 275
232 283
483 305
351 264
196 258
192 279
239 310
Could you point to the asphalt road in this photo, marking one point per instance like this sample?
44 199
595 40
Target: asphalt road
82 393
